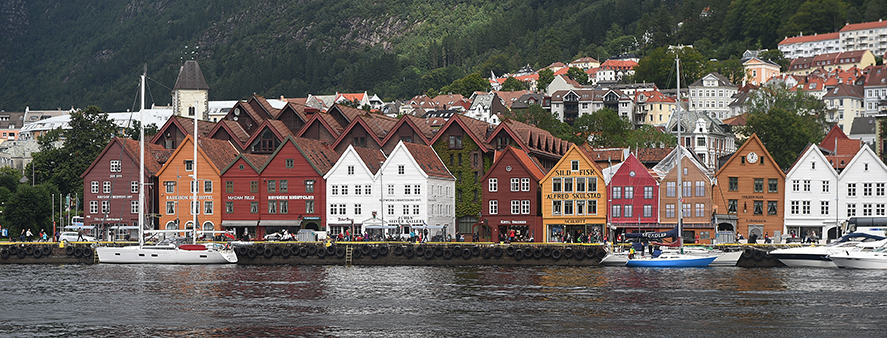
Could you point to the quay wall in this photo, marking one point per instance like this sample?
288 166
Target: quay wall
46 253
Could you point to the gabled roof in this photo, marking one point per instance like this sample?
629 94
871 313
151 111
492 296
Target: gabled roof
277 127
186 126
419 125
372 159
234 129
811 150
325 121
476 129
722 80
531 138
669 162
348 113
301 110
218 153
428 160
845 90
864 25
534 168
877 76
863 125
155 155
756 140
584 153
377 126
809 38
315 153
257 162
863 152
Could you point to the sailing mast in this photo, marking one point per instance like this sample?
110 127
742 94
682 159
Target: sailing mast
679 158
142 160
195 204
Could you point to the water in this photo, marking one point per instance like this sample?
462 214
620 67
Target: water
477 301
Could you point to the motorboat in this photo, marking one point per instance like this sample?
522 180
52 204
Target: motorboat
818 256
169 251
866 255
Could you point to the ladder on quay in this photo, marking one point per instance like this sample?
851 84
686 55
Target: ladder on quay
348 254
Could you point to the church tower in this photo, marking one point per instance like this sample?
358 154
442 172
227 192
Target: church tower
191 93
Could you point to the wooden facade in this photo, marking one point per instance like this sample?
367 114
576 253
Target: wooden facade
634 197
696 198
574 197
511 197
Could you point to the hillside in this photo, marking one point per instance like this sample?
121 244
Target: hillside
59 54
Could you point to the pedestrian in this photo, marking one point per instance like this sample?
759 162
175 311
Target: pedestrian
22 236
80 235
767 237
29 234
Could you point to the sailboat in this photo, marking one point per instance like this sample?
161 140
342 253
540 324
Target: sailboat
677 259
168 251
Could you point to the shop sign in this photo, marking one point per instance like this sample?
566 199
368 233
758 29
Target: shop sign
512 222
189 197
574 196
238 198
291 197
575 221
583 172
408 220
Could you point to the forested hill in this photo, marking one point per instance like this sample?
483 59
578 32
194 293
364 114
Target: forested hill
74 53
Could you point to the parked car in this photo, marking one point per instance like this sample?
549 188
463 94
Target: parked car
72 236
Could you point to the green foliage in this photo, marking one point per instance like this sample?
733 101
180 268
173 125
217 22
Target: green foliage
659 67
10 178
785 121
459 162
512 84
467 85
731 68
29 208
602 128
817 16
90 131
133 131
777 57
545 78
537 116
578 75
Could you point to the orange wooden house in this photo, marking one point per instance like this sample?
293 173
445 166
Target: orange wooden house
574 197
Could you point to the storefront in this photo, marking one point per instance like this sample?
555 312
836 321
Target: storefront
574 199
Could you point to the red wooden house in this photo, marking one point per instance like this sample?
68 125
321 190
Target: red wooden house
511 197
634 197
241 194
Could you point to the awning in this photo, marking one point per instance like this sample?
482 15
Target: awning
380 227
426 226
279 223
239 223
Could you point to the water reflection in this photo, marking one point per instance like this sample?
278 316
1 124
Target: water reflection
247 301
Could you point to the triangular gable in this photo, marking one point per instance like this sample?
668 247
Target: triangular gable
279 130
236 134
345 115
349 152
185 126
253 161
407 120
358 122
504 127
318 121
530 166
753 139
188 144
584 155
315 153
433 168
811 151
633 164
861 155
151 163
458 119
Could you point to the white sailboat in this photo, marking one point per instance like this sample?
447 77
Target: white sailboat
166 252
678 259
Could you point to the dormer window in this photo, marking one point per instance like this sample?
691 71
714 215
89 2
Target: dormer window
189 165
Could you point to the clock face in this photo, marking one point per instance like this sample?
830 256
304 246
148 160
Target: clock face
752 157
508 168
631 173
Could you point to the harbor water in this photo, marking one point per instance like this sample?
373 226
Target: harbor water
106 300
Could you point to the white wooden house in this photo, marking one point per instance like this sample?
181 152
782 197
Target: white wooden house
810 196
862 184
353 193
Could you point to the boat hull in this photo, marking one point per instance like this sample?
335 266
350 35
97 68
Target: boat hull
163 255
801 260
868 262
671 262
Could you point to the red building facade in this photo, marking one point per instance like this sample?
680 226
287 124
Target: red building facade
511 197
634 197
241 195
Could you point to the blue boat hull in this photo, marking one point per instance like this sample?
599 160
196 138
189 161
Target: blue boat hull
700 262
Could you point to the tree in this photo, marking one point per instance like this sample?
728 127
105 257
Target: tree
775 56
537 116
731 68
816 16
467 85
649 137
659 67
133 132
545 77
29 208
602 128
90 131
578 75
785 121
512 84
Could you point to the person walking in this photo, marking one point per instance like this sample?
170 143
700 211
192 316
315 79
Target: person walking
29 234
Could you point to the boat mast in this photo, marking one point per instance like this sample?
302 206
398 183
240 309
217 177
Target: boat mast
195 204
680 188
142 160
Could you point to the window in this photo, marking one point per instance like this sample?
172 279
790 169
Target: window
345 190
629 192
334 190
796 185
515 184
288 163
568 207
406 209
617 211
229 186
851 189
556 207
700 189
823 207
525 207
688 189
115 166
685 209
669 210
866 209
493 184
879 189
391 209
866 189
309 206
455 142
805 207
134 207
700 210
525 184
272 186
617 193
309 185
771 207
193 186
195 207
825 185
170 207
254 186
254 207
368 189
406 189
806 185
284 207
759 208
350 170
574 165
400 169
229 207
648 192
358 209
342 209
93 207
851 209
417 189
391 189
592 184
189 165
879 209
94 187
106 187
580 207
670 189
734 183
208 207
568 184
283 186
494 207
556 184
515 207
772 185
134 187
170 186
592 207
759 185
207 186
648 210
627 211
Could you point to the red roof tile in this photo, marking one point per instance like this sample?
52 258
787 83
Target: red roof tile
428 160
